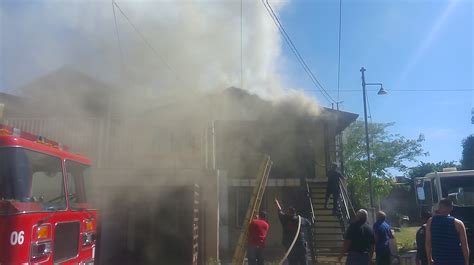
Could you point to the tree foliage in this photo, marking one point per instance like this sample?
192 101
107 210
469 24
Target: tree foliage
424 168
387 151
467 161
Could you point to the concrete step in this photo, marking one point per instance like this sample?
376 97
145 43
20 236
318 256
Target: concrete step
326 218
330 260
330 234
318 195
318 187
319 204
318 184
326 230
328 251
322 212
328 237
321 190
318 192
327 224
329 244
313 200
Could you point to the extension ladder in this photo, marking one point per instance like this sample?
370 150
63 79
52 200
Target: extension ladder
252 210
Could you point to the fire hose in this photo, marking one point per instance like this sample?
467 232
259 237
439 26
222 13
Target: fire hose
293 243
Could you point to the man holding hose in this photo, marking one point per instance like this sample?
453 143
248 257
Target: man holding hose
289 222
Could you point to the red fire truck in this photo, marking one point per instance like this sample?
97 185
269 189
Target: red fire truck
46 210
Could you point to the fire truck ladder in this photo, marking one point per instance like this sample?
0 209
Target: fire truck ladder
254 206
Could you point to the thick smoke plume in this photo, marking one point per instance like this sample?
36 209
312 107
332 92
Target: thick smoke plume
166 65
172 45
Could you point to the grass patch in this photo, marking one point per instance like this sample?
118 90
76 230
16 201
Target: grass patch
406 238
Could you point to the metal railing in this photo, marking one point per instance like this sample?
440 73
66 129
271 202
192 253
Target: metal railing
312 244
345 209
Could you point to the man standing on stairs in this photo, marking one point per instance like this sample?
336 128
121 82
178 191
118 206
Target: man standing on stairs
289 221
333 186
383 235
359 241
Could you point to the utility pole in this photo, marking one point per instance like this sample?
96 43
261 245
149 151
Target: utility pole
367 145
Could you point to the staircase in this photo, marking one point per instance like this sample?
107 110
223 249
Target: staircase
328 229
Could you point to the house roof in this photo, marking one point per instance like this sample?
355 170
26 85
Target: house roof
340 119
69 88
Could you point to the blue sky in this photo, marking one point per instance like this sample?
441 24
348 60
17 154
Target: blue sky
406 45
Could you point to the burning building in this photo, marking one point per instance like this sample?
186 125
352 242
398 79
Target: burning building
174 178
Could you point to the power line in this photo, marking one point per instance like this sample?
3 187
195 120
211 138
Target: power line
118 37
339 55
368 105
145 40
403 90
295 51
241 47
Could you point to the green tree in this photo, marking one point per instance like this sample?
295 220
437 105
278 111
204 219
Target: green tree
424 168
387 151
467 161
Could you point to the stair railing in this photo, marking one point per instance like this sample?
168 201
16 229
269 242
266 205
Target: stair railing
311 242
311 208
345 207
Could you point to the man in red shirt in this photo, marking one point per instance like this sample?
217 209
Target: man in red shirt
258 229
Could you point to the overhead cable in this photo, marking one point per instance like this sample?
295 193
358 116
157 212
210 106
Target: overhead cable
118 37
403 90
168 66
339 51
295 51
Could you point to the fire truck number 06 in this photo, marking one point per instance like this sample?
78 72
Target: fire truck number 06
17 238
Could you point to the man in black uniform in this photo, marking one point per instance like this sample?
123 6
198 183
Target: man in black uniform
289 222
359 241
333 186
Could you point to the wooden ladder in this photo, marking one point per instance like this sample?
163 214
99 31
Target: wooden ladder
252 210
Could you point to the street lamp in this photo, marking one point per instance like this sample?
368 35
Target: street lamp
369 169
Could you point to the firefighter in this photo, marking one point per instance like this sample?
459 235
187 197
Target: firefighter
289 222
333 186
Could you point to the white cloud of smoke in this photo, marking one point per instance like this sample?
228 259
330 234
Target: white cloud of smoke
200 43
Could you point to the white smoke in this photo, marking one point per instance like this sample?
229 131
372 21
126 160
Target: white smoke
203 42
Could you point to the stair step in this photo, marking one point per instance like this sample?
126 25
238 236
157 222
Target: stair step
328 237
323 212
326 230
326 218
320 223
320 205
320 233
328 250
329 244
